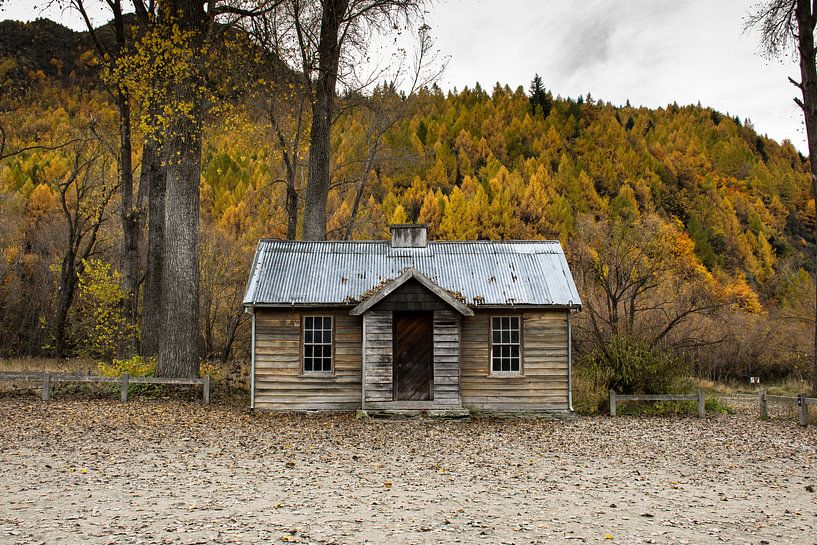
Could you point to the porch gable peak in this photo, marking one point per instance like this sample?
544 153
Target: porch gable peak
408 274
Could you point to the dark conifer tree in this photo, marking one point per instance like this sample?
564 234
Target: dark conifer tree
540 97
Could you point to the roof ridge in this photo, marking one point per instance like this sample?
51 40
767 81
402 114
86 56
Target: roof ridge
387 241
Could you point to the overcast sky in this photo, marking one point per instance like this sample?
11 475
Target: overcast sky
652 52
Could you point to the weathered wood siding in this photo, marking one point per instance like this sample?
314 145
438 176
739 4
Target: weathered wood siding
544 381
412 296
446 358
280 383
379 359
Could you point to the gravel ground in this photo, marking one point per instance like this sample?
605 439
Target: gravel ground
150 471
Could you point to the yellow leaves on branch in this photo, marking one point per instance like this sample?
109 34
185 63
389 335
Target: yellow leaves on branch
99 323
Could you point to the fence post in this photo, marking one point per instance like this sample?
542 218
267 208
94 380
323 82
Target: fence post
612 402
802 409
701 404
123 388
46 393
764 409
205 394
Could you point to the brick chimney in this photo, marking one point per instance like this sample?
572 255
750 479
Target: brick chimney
409 235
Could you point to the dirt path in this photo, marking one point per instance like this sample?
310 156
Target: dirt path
169 472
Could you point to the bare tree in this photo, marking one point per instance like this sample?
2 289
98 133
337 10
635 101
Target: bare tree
635 283
388 106
283 101
131 214
324 40
199 23
84 195
788 26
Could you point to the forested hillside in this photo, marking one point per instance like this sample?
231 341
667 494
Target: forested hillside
690 234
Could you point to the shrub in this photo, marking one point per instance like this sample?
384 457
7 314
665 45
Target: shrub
216 372
136 366
629 365
99 327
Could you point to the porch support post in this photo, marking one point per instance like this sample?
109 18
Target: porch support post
363 368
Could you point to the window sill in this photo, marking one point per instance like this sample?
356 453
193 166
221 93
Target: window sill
506 374
316 374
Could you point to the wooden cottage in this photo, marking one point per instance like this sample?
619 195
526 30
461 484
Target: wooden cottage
408 324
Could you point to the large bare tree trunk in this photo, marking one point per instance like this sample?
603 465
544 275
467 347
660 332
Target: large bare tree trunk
317 188
178 350
179 346
153 178
808 86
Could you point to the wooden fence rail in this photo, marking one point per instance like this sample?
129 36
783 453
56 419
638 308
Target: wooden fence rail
699 397
124 381
801 401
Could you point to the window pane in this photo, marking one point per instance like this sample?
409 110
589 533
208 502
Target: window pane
514 351
317 343
515 364
506 323
515 336
497 336
506 337
506 364
496 364
515 322
497 351
496 323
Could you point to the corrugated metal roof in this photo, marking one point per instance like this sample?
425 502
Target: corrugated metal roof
339 272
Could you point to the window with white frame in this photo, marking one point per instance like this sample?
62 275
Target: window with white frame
505 344
317 336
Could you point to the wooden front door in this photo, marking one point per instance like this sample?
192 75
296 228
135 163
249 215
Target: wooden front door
413 356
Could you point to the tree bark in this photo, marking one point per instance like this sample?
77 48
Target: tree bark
67 287
292 206
153 178
178 349
179 346
130 215
317 189
808 86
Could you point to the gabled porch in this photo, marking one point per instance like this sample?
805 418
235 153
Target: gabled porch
411 345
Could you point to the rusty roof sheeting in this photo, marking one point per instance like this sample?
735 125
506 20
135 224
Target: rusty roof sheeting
485 273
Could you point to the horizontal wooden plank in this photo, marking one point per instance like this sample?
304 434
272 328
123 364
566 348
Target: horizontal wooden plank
651 397
499 404
306 405
519 404
297 382
513 394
